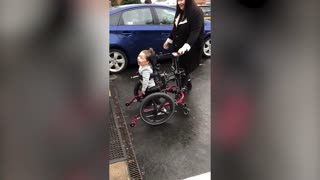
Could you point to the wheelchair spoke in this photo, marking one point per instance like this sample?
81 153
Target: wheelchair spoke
148 109
157 115
163 104
154 107
165 111
154 102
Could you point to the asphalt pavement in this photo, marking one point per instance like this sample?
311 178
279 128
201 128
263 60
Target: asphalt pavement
180 148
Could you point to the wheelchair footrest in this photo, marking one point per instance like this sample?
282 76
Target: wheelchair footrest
134 120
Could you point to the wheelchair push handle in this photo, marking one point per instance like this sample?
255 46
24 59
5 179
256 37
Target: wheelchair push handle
135 76
174 54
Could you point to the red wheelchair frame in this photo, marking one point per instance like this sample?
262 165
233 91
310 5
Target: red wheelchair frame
149 103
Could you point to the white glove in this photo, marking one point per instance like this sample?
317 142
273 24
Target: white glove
186 47
169 41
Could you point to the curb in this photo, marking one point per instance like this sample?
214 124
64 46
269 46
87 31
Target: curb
130 164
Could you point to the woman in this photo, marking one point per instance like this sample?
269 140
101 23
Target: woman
187 37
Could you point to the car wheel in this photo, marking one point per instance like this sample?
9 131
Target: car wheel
207 47
118 61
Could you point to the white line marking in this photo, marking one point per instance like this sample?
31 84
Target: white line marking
205 176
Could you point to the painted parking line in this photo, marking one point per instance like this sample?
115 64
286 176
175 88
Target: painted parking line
205 176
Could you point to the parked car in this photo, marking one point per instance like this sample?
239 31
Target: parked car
135 27
172 3
206 11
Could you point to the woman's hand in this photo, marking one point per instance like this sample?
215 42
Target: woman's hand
185 48
166 45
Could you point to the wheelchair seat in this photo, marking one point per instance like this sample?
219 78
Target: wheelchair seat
153 89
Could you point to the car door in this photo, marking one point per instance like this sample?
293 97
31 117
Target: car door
164 22
136 31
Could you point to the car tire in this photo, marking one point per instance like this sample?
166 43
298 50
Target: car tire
206 50
118 61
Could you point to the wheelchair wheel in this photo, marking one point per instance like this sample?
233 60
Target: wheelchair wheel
157 108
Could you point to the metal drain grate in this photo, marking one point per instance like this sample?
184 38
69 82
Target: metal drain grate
133 167
134 170
116 150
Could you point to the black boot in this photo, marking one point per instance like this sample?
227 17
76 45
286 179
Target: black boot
186 81
189 85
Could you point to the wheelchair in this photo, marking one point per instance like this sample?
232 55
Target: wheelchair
159 103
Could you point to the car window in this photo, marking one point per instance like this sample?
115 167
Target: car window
165 16
114 19
140 16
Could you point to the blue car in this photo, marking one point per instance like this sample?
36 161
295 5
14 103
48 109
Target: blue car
136 27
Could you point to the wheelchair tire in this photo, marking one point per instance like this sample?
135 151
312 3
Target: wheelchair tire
157 108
